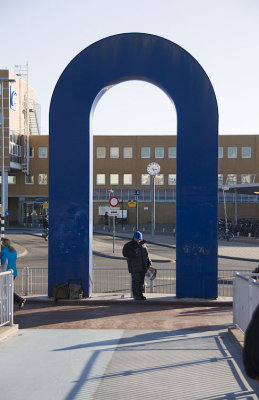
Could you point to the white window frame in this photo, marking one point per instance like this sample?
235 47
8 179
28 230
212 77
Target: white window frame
127 175
117 150
114 183
100 147
43 183
229 149
157 150
42 147
168 152
28 183
31 148
231 179
149 150
220 179
146 175
220 152
14 176
242 152
170 182
158 176
131 150
243 180
97 176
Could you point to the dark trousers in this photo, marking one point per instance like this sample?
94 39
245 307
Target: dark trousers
137 281
16 298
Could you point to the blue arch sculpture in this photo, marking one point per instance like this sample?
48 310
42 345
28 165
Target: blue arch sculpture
103 64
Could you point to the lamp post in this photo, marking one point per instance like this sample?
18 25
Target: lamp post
153 169
2 80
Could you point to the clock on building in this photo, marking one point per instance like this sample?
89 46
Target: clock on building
153 168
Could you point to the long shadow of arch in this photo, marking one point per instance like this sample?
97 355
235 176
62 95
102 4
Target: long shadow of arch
107 62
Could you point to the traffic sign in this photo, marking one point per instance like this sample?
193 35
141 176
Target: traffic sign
137 192
114 201
7 213
132 204
114 212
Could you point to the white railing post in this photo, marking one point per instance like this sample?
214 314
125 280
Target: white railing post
6 298
26 281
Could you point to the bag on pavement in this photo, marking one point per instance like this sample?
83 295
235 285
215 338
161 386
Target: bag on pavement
75 289
61 291
151 273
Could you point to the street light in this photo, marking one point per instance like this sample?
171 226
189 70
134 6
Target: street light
153 169
2 80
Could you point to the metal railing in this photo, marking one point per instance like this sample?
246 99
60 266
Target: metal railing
245 298
6 298
34 281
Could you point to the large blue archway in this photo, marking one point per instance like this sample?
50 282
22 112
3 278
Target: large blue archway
107 62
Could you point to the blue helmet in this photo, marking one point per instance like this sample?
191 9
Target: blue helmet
138 235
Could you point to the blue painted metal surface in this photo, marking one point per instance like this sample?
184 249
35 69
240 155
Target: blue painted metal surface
105 63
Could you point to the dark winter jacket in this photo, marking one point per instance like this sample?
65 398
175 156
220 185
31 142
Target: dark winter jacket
251 347
137 256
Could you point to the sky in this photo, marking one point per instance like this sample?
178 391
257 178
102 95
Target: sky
223 36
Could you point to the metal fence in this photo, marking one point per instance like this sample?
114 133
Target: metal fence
6 298
245 298
34 281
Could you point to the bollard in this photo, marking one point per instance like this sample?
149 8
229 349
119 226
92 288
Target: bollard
249 234
104 227
143 229
124 228
238 234
163 230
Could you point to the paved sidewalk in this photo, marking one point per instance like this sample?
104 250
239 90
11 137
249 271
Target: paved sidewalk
122 364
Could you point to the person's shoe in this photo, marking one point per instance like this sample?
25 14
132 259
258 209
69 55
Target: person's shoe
143 297
21 304
138 298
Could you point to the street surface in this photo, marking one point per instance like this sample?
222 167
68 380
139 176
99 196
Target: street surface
162 257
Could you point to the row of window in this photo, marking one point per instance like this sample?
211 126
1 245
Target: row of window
29 179
127 179
127 152
42 152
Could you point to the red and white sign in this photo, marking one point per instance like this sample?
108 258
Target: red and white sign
114 201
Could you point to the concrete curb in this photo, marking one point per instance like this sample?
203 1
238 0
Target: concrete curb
237 336
129 301
8 330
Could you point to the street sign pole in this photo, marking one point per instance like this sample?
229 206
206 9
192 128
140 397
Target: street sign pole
113 241
153 204
137 211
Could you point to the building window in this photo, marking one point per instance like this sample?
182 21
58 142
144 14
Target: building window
171 152
246 152
11 179
171 179
220 152
100 179
145 179
31 152
114 152
159 152
220 179
232 152
145 152
246 178
100 152
127 152
160 179
42 152
114 179
127 179
43 179
231 179
29 179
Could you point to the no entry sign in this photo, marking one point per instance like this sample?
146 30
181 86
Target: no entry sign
114 201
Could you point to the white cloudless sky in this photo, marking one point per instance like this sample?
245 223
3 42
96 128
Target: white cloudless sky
223 36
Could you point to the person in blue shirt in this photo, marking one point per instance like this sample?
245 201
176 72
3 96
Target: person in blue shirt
8 261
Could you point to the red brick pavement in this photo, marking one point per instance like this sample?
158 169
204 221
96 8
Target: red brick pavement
123 316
